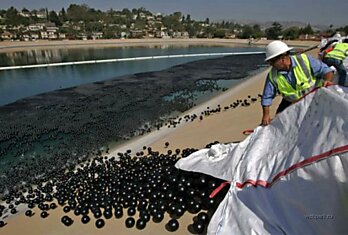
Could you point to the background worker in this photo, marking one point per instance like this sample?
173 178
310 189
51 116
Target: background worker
335 58
291 76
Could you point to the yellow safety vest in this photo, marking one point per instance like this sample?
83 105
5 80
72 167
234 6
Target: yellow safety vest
305 80
340 52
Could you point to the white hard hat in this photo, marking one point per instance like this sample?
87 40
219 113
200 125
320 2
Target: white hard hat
276 48
337 35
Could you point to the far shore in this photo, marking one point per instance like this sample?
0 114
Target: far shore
13 46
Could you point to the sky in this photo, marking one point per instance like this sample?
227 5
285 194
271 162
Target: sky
314 12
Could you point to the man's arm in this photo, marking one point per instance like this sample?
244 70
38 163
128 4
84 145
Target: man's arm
328 78
269 92
266 118
321 70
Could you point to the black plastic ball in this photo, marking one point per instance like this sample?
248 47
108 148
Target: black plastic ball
172 225
141 223
158 217
2 223
99 223
66 209
29 213
85 219
67 221
107 213
118 213
204 217
44 214
131 211
198 227
130 222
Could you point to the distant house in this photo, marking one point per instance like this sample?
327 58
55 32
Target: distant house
41 14
61 35
7 35
137 33
25 13
44 35
51 30
162 34
34 36
36 27
97 35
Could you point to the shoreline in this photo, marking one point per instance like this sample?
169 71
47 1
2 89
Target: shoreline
156 136
9 46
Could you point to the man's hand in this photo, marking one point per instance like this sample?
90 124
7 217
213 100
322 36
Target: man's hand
327 83
328 78
266 118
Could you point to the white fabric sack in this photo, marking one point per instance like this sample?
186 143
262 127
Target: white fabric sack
298 164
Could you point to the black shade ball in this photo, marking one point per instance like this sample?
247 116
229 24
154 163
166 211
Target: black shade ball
204 217
198 227
158 217
29 213
99 223
131 211
141 223
44 214
67 221
119 213
172 225
2 224
107 214
130 222
85 219
66 209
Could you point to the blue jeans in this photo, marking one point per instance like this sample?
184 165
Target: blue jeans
341 70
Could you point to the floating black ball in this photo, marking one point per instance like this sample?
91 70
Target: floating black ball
85 219
99 223
141 223
172 225
130 222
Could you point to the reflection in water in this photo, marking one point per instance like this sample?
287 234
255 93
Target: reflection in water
17 84
42 56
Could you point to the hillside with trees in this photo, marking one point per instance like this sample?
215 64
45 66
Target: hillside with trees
84 22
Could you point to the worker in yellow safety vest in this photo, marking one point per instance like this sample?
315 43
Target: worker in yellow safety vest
335 58
292 76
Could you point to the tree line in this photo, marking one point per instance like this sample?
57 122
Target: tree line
84 19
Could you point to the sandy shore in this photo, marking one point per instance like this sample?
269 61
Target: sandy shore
226 126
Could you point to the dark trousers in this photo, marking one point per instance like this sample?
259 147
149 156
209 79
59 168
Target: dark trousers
341 70
283 105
